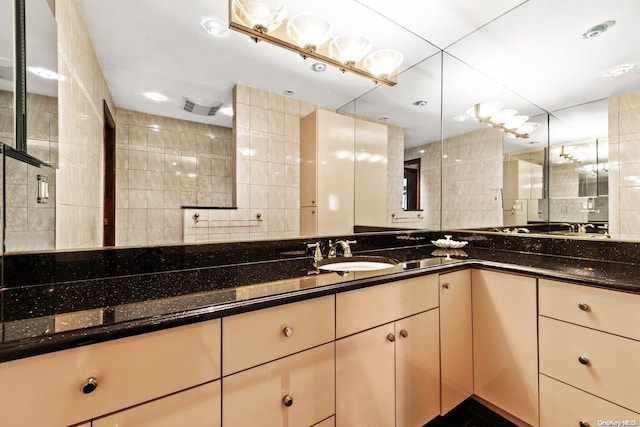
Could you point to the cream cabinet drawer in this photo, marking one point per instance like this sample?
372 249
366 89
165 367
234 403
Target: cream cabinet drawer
249 339
599 363
376 305
47 389
606 310
563 405
298 390
196 407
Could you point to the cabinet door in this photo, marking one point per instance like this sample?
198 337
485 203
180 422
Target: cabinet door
196 407
298 390
456 350
505 342
417 369
309 221
308 160
365 379
371 173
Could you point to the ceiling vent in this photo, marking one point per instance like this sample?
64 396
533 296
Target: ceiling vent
199 106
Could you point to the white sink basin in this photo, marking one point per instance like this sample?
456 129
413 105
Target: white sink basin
356 263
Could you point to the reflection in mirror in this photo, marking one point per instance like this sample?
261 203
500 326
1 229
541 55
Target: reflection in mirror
412 111
476 192
411 185
579 169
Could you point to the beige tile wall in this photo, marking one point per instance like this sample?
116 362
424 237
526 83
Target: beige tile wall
624 166
163 164
395 175
7 134
79 200
31 225
471 175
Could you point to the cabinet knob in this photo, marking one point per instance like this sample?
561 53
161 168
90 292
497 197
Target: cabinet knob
287 331
391 338
404 333
446 285
583 360
287 400
584 424
584 306
89 385
313 202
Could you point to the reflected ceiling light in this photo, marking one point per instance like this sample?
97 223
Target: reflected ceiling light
460 118
383 63
503 116
319 67
492 114
213 27
309 31
46 74
155 96
349 49
420 103
308 35
619 70
227 110
261 16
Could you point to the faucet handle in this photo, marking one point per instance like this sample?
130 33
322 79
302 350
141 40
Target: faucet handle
317 254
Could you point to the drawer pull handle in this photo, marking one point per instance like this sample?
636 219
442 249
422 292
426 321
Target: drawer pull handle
584 307
446 285
583 360
404 333
583 424
287 400
89 385
391 338
287 331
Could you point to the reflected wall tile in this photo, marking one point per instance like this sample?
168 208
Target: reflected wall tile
189 143
276 123
276 102
173 180
258 198
259 173
16 218
276 174
292 176
137 199
137 136
242 94
155 162
629 123
137 236
203 143
276 198
260 147
138 179
628 102
276 149
155 199
259 98
291 153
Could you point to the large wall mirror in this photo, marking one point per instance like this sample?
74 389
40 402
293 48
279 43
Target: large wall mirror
155 131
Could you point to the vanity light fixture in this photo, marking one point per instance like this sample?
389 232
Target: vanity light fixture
309 35
508 121
619 70
155 96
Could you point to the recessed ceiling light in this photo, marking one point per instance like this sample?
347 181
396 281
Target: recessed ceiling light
420 103
460 118
384 118
213 27
421 151
155 96
319 67
289 92
619 70
597 30
46 74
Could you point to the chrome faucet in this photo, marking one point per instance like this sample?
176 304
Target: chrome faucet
343 244
317 253
582 228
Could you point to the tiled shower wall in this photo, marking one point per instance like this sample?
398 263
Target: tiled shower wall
471 180
79 199
624 166
163 164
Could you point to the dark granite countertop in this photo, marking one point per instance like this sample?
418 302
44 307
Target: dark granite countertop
49 317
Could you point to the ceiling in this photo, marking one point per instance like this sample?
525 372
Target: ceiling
530 55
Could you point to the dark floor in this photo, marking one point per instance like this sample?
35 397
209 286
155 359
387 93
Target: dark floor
470 414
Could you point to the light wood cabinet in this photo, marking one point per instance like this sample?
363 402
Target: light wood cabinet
196 407
602 309
365 308
371 141
602 364
563 405
329 422
327 172
384 378
456 350
297 390
256 337
417 369
505 344
126 371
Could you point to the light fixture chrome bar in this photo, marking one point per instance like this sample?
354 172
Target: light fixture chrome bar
280 41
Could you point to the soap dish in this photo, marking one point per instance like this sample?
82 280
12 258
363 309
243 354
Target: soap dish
447 243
